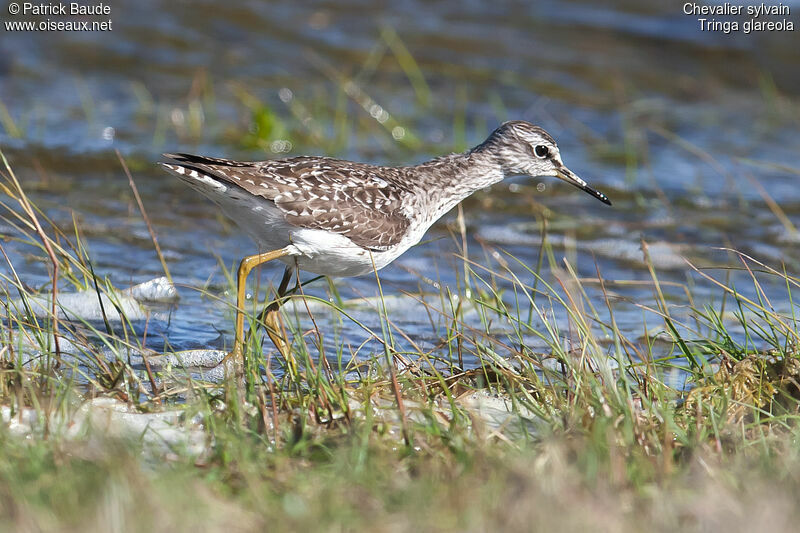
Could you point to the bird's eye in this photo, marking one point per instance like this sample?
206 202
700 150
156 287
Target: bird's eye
541 151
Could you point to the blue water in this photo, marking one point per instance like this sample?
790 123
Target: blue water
692 134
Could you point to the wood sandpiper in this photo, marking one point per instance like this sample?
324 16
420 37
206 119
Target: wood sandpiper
340 218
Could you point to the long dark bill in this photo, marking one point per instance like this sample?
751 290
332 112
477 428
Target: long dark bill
567 175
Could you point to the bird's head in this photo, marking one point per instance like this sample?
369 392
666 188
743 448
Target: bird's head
522 148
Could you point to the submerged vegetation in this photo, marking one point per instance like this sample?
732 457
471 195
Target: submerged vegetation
692 424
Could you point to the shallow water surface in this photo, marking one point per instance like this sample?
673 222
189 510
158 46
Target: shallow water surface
693 135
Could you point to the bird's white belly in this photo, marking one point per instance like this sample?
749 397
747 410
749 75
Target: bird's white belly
332 254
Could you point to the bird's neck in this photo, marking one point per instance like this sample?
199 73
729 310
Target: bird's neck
446 181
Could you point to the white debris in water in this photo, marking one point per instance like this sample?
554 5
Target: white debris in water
499 414
19 422
158 290
171 434
784 234
664 255
188 359
86 305
199 365
31 347
492 414
508 235
399 304
164 433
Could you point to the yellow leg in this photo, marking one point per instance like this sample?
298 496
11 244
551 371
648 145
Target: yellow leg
245 267
271 319
278 337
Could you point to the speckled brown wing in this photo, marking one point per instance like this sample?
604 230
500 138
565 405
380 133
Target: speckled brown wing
351 199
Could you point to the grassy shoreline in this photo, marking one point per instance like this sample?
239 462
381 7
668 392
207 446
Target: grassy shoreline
591 433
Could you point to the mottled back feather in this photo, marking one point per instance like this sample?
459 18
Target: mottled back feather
362 202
